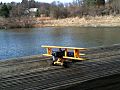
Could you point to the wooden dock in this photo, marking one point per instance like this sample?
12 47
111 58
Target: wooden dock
101 71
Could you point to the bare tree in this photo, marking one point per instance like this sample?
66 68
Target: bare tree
115 5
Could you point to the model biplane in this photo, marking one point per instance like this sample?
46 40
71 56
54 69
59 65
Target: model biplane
63 53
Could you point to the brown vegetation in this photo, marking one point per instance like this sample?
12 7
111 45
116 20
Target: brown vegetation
23 22
108 21
84 21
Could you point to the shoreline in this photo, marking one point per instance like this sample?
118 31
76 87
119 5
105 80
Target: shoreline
101 21
88 21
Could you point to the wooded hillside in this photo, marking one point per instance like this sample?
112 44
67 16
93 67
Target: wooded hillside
57 9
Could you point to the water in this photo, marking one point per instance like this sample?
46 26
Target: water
26 42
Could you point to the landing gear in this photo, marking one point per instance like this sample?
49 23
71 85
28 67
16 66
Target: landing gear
65 64
58 59
58 62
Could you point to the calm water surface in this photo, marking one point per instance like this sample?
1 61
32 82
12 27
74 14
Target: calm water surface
25 42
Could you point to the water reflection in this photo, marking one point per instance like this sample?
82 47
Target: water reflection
24 42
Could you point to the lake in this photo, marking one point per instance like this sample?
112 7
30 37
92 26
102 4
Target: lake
28 41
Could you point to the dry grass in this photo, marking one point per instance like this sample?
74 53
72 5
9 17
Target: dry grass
84 21
109 21
89 21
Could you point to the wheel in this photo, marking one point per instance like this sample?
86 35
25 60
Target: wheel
53 63
66 64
